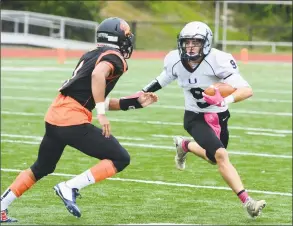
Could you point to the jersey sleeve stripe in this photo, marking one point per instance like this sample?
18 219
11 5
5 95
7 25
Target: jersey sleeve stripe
115 53
228 76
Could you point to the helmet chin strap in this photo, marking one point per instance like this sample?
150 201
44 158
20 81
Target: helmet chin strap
194 57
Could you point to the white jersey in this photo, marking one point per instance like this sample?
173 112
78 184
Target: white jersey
217 66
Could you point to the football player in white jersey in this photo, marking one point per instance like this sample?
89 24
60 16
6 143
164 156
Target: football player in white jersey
196 66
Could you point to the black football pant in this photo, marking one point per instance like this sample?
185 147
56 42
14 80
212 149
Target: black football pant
196 125
86 138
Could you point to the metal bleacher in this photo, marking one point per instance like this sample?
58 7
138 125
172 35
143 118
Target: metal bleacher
49 31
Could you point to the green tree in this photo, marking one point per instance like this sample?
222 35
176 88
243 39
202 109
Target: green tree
86 10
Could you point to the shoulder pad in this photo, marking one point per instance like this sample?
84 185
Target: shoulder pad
116 59
172 57
221 57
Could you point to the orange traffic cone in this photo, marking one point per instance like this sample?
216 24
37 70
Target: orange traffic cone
61 55
244 55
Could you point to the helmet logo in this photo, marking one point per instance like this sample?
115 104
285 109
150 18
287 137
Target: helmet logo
125 27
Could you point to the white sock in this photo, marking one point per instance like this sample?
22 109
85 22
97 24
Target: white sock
81 180
7 198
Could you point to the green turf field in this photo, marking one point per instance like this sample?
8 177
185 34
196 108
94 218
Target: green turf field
151 190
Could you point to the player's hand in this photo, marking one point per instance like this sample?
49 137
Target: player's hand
217 99
146 99
105 125
137 94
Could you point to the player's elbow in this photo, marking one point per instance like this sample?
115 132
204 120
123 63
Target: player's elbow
249 92
244 93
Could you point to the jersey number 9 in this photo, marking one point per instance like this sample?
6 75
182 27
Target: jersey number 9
197 94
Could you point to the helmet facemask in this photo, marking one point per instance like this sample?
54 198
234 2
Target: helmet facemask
196 43
126 46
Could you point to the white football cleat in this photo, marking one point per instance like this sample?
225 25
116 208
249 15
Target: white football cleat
180 157
254 207
68 196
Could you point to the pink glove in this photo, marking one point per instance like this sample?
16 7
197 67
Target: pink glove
217 99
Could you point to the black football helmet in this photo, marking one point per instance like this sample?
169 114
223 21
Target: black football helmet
117 32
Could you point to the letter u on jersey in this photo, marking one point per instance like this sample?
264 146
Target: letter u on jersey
192 81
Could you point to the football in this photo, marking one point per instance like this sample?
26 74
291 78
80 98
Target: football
225 89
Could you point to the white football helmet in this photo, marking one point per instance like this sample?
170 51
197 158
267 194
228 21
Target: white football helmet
195 30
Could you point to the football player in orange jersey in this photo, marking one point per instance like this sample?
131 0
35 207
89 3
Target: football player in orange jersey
68 119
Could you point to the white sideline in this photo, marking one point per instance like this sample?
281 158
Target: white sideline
166 183
167 148
154 122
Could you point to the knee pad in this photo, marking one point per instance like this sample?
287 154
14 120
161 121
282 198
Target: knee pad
41 171
123 161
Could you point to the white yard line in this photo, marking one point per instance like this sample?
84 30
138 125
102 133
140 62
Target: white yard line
158 224
40 99
57 81
28 88
273 91
267 100
39 138
36 69
162 94
171 136
154 122
27 62
22 113
232 136
231 110
167 183
164 147
266 134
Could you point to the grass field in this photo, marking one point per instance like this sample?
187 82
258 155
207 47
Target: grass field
151 190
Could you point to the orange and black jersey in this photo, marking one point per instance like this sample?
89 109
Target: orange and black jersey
78 86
